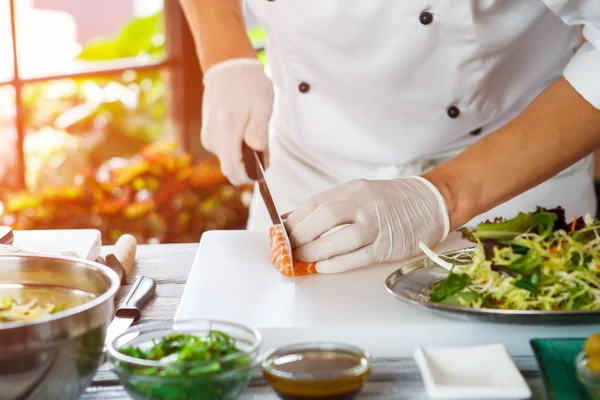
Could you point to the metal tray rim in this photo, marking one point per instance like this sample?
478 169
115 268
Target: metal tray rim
407 269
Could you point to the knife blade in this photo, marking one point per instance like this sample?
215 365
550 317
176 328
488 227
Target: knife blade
254 166
129 311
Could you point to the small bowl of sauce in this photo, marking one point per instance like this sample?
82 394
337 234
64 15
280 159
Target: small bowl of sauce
317 371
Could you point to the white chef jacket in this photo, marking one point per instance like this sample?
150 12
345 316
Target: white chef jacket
383 89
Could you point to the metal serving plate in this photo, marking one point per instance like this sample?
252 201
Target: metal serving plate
414 281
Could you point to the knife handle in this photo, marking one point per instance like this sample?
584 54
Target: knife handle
250 160
141 291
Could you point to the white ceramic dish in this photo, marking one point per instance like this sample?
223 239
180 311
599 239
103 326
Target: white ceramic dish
473 372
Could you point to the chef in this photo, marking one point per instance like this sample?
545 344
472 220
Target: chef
401 121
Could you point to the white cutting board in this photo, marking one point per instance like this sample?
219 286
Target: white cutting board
232 279
86 243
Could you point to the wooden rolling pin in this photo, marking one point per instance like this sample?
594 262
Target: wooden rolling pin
122 258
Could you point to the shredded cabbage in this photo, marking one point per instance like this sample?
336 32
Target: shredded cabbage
530 271
11 310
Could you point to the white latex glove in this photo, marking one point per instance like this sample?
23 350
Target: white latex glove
385 220
237 106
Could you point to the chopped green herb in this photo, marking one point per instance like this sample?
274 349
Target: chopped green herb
525 284
520 249
527 263
452 284
460 298
195 370
581 301
535 278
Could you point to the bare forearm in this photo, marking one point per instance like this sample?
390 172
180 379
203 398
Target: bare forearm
218 29
557 129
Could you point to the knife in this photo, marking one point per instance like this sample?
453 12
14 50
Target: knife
255 169
129 311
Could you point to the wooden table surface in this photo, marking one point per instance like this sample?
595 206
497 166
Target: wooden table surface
169 265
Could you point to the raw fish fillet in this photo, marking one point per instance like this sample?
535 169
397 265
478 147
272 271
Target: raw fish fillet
281 255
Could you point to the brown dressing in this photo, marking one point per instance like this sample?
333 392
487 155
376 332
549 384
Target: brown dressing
317 375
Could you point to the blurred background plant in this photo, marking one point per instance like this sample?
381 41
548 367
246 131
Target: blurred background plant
85 121
159 196
100 152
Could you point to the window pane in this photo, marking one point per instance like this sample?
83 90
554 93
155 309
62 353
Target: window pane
62 36
8 136
6 50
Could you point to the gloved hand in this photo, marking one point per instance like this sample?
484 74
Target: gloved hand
237 106
385 220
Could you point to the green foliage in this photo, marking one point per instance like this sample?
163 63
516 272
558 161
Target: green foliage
112 116
140 36
198 370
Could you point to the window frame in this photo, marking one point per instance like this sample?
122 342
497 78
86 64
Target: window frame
184 81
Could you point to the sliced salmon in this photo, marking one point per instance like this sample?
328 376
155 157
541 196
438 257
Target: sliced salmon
281 255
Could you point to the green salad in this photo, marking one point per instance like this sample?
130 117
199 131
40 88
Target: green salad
207 367
535 261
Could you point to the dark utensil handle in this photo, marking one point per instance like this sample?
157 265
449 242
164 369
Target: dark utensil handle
141 291
250 161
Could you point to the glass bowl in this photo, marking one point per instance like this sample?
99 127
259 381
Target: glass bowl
224 378
589 379
317 370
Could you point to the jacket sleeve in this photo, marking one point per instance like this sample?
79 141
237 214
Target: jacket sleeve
583 70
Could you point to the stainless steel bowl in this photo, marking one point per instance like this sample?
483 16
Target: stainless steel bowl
55 357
